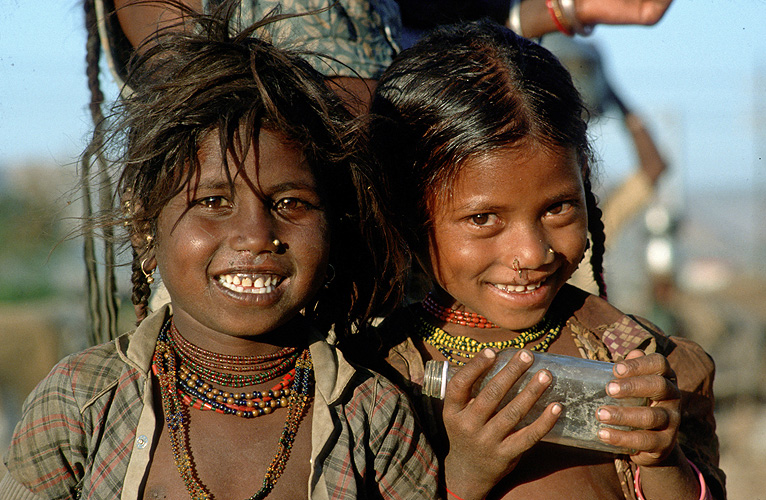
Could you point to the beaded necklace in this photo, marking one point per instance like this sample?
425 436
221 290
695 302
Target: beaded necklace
466 347
455 316
209 364
177 417
200 395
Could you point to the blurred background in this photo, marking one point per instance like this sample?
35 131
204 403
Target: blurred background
690 255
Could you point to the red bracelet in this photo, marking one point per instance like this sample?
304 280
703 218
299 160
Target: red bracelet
704 492
555 13
449 493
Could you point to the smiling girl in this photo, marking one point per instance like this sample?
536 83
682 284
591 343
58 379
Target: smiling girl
483 147
241 186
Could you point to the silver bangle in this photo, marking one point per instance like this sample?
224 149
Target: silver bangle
514 17
569 12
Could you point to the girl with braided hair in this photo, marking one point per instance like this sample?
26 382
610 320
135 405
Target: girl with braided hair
242 182
483 150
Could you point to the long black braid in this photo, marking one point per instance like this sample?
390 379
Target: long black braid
597 236
102 304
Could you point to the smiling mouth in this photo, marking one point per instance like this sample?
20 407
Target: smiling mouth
250 283
518 288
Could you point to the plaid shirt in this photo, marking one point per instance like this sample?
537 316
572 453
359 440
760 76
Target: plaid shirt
359 36
87 429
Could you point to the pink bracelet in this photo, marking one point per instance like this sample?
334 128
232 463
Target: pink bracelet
449 493
704 493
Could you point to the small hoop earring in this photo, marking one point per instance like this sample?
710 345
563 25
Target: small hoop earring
149 276
330 275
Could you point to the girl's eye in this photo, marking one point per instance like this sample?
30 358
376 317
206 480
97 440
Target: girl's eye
483 219
560 208
213 202
291 205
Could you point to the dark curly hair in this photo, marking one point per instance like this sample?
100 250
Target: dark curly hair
207 78
466 90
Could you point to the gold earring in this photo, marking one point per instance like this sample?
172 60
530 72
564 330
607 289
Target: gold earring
149 276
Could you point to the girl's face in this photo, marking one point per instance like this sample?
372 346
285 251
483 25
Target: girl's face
511 234
216 251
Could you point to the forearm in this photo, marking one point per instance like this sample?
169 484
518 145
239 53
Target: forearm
141 20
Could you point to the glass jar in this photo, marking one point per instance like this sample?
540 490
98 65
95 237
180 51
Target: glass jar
578 384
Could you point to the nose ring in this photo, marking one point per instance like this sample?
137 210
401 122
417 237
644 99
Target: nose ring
550 250
278 246
517 266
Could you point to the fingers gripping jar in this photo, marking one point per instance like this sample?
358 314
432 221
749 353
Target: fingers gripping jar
578 384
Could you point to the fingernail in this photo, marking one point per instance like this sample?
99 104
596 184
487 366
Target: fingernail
543 377
489 353
603 434
556 408
613 388
602 414
620 369
525 356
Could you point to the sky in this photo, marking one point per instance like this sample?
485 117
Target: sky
698 78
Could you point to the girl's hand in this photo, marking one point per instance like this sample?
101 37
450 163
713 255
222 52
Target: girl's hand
656 425
643 12
483 447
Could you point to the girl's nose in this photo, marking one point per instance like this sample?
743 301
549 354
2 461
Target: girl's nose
255 231
528 248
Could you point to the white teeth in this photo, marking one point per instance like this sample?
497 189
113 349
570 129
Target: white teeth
519 288
246 284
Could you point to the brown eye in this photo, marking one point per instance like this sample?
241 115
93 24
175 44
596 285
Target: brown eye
212 202
288 204
482 219
560 208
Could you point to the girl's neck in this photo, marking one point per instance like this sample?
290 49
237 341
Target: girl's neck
294 333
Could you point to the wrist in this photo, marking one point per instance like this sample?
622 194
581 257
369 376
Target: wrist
704 491
451 495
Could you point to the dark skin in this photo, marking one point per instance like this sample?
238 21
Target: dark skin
212 231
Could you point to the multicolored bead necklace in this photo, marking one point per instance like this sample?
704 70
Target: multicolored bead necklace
200 395
455 316
216 367
177 417
452 347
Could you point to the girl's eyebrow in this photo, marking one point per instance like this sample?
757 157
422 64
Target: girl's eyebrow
293 185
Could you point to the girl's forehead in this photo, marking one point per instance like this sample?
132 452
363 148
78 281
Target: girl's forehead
511 174
268 157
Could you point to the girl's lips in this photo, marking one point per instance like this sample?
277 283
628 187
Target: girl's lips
250 283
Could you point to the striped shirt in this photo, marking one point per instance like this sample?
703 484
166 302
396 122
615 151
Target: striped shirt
87 430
